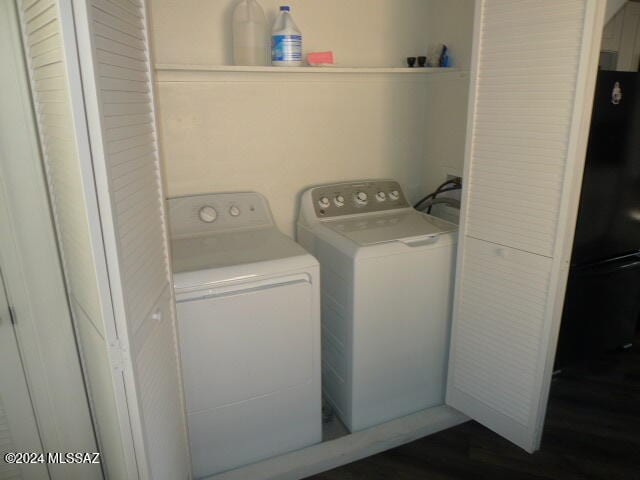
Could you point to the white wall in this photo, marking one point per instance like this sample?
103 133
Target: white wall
450 22
279 133
360 32
613 7
622 35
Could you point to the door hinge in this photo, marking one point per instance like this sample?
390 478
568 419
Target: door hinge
12 315
116 355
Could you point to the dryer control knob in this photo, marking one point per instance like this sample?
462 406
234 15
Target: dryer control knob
381 196
234 211
339 201
394 195
361 198
324 202
208 214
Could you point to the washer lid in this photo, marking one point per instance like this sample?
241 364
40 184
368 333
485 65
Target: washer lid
226 249
388 227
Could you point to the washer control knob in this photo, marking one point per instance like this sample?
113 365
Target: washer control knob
381 196
394 195
339 201
208 214
361 198
324 202
234 211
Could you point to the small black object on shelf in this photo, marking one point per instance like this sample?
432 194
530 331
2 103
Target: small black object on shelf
422 61
411 61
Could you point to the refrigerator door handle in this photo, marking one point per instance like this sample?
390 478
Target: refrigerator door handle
627 263
628 266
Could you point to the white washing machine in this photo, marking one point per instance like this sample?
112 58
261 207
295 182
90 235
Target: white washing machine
249 327
387 285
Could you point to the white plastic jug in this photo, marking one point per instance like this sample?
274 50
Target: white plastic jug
286 41
250 41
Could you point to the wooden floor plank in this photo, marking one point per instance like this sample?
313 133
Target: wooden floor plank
592 432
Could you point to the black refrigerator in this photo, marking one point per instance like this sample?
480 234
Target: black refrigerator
602 304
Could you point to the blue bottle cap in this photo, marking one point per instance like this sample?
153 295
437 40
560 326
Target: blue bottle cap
285 8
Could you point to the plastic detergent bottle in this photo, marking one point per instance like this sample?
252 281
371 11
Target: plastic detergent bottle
250 41
286 41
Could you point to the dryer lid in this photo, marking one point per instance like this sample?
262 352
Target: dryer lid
388 227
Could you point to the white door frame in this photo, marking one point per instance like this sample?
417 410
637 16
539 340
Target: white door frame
30 262
16 410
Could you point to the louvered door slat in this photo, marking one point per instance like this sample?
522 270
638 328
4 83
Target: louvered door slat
113 71
126 120
123 169
131 7
116 110
45 47
51 71
37 9
37 22
121 47
104 18
134 176
116 36
42 34
115 84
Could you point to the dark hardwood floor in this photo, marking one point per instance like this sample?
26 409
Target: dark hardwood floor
592 432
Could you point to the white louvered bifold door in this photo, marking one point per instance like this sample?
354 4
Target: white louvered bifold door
116 70
51 54
533 75
90 71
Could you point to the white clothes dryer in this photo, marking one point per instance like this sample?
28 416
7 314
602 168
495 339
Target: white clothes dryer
387 285
248 311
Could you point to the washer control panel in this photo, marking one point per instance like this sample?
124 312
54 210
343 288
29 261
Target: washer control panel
362 197
217 212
